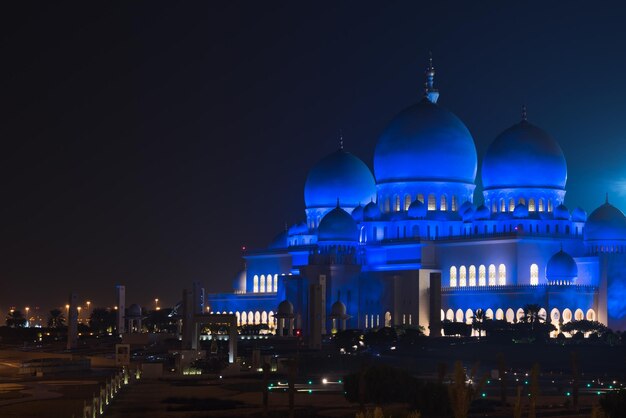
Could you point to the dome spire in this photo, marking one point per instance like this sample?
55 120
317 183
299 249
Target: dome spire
524 114
340 139
430 91
607 198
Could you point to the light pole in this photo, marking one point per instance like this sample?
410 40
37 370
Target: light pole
27 318
156 304
78 308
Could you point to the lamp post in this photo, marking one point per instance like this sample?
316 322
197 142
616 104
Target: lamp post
156 304
78 308
27 318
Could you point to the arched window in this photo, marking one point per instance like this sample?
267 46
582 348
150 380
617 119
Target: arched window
432 203
555 316
492 275
396 206
520 314
420 197
244 318
270 320
443 202
453 276
591 315
567 315
459 315
264 317
511 205
469 316
502 275
522 201
531 205
238 316
387 319
407 202
255 284
257 317
549 205
502 206
462 276
510 315
450 315
494 208
579 315
499 314
276 283
489 313
472 275
534 274
482 276
262 286
540 205
455 204
386 209
268 287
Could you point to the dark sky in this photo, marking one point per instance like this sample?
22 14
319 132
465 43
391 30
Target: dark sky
145 143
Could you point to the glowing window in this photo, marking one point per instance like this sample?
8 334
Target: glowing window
579 315
255 284
591 315
396 206
499 314
482 276
531 205
534 274
276 283
522 201
462 276
549 205
386 208
238 316
270 320
432 203
494 207
443 204
453 276
540 205
492 275
502 206
264 317
407 202
472 276
567 315
420 197
511 205
262 286
268 286
502 275
244 318
455 204
257 317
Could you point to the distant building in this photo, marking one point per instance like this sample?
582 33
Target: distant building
365 253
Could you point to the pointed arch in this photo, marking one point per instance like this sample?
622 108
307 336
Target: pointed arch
482 275
502 275
534 274
462 276
492 275
472 275
453 276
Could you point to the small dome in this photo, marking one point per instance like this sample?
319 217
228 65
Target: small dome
371 212
279 241
579 215
357 213
561 267
524 156
417 209
239 282
467 210
342 176
285 308
606 223
338 310
337 225
425 143
482 213
134 310
520 211
561 212
298 229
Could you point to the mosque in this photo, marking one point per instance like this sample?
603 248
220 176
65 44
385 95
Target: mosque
407 245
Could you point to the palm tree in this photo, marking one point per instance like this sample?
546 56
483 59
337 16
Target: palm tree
478 321
56 319
531 315
15 319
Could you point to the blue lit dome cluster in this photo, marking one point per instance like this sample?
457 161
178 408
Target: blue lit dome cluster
561 268
606 223
524 156
342 176
425 143
337 225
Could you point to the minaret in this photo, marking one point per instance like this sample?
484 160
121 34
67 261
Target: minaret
430 91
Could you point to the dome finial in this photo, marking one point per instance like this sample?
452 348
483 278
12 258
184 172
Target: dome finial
337 202
607 198
524 114
430 91
340 139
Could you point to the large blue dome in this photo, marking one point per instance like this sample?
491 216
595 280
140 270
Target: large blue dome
606 223
425 143
561 267
337 225
524 156
342 176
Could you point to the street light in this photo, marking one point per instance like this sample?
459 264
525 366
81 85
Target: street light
78 308
156 304
27 318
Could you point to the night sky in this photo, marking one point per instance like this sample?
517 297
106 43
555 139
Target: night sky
145 144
